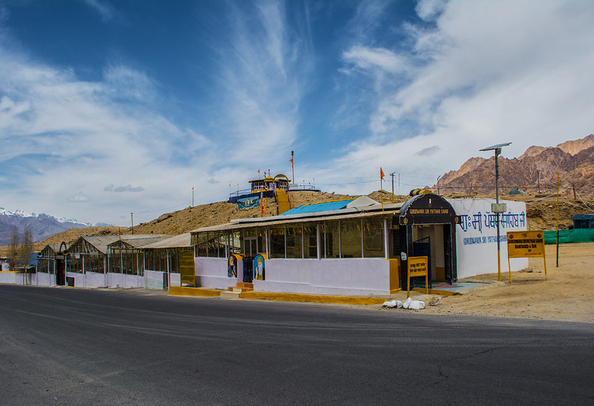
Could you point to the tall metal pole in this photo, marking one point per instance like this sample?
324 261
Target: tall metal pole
392 175
293 165
557 234
496 208
132 221
497 152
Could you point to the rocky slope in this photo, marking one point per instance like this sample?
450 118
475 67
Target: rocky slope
572 160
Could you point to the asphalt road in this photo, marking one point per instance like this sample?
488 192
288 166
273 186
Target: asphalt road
66 346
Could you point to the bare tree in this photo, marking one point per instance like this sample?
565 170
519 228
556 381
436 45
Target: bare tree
27 247
14 248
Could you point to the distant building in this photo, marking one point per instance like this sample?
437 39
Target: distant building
583 221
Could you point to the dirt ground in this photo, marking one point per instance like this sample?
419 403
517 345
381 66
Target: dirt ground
565 293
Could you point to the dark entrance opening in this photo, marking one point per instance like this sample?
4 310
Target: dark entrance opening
427 220
60 272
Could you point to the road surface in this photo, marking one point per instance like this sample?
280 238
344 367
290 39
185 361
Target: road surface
65 346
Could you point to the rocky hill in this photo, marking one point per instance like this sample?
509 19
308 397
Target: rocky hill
572 160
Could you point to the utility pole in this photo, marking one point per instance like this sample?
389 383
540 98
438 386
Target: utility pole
538 172
392 175
132 221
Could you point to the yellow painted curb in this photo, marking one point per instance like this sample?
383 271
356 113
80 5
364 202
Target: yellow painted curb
296 297
183 291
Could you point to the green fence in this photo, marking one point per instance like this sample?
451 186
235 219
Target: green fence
570 236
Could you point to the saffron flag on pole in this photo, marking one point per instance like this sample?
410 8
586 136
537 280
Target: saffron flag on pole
382 187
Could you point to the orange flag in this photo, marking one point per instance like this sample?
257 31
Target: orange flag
382 173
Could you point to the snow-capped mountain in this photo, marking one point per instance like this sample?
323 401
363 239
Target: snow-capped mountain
41 225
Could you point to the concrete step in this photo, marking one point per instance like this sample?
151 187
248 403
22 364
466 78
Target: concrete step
229 295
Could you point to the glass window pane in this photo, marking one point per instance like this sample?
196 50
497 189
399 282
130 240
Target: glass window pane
331 239
310 239
350 238
235 243
202 244
294 241
373 237
212 244
277 242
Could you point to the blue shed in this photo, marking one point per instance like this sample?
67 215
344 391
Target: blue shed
583 221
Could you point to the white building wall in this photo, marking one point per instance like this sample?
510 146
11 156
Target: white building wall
46 279
9 277
310 276
476 235
212 273
361 276
174 279
155 279
95 280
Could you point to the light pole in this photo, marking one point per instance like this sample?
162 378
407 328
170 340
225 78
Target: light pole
498 208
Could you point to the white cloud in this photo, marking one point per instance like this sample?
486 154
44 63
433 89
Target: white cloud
487 72
60 134
106 11
262 79
376 58
120 189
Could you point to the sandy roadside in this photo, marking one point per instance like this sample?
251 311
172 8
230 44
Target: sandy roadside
566 293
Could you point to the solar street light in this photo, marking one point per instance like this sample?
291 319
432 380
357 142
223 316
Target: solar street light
498 208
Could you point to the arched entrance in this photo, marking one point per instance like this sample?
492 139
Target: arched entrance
427 228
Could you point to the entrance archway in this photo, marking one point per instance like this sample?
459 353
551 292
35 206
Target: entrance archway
427 227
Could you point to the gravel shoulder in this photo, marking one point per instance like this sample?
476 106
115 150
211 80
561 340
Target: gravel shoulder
565 293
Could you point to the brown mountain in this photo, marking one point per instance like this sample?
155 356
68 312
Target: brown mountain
572 160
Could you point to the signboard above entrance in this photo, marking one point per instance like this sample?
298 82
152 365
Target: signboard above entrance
427 209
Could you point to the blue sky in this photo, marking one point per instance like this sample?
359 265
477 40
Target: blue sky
114 107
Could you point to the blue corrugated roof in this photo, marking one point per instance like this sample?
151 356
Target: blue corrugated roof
583 217
317 207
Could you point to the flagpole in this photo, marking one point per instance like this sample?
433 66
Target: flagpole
293 165
382 188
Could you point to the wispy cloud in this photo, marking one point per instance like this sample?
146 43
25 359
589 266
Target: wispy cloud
263 75
82 132
476 73
106 10
120 189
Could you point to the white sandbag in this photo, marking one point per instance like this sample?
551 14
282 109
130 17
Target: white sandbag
389 303
413 304
393 304
406 303
416 305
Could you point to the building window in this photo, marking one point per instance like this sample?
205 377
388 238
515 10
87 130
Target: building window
202 245
310 241
277 242
350 238
331 239
373 237
294 241
213 244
